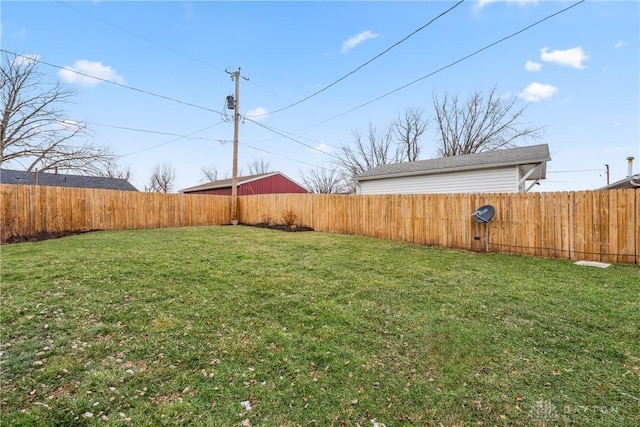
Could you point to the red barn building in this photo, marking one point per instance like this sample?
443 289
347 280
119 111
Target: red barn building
266 183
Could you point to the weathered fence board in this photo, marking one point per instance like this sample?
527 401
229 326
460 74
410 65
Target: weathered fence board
29 210
589 225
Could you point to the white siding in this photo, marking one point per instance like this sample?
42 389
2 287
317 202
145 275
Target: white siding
499 180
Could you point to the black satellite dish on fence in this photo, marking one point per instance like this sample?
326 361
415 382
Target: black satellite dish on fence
483 214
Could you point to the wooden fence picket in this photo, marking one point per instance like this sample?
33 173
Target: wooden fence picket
589 225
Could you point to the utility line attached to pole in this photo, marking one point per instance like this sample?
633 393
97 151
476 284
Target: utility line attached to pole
234 103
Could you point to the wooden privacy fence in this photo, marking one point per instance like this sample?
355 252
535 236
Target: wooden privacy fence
28 210
590 225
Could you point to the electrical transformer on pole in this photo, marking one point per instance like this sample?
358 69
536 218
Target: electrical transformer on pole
234 104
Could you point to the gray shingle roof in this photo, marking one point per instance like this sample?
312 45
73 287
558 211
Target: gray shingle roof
64 180
627 182
491 159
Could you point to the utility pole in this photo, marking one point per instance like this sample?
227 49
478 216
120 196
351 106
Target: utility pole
607 170
234 178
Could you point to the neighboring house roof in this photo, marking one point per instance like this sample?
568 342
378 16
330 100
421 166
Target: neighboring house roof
532 154
64 180
226 183
628 182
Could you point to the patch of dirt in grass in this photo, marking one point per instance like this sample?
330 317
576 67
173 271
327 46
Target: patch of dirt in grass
68 389
174 397
43 236
288 228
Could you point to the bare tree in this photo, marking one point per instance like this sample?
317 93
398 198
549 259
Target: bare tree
407 130
325 181
113 170
479 124
162 179
258 167
209 173
34 131
369 151
400 142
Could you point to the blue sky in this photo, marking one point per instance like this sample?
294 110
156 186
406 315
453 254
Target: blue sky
577 74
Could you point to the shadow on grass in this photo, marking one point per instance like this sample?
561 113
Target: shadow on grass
43 236
283 227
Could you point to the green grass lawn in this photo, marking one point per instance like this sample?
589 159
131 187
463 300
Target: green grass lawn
222 326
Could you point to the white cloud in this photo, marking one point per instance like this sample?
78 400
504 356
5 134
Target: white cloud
324 148
570 57
619 44
480 4
89 68
259 113
532 66
356 40
537 91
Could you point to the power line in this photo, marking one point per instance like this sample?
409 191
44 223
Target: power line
146 92
281 156
579 170
154 131
292 134
193 58
147 39
447 66
290 138
260 87
366 63
284 157
282 133
172 140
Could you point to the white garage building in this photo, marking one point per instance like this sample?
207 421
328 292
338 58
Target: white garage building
502 171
